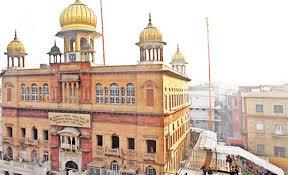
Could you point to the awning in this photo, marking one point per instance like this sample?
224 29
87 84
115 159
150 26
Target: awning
237 151
207 140
69 131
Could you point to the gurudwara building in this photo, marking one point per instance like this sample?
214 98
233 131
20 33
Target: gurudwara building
77 117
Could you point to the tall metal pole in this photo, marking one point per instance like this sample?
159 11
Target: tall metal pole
209 72
103 43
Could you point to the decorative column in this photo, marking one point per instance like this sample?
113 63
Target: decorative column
12 61
72 95
77 92
63 92
68 93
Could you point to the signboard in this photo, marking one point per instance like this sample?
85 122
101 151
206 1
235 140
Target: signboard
69 119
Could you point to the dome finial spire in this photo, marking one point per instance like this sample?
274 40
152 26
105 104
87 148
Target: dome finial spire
178 50
150 20
77 2
15 35
54 42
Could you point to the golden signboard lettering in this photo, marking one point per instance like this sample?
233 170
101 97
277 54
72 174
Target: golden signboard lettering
69 119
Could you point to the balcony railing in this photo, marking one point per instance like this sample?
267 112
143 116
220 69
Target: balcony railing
68 146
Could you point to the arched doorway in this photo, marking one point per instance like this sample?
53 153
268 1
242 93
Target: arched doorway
71 166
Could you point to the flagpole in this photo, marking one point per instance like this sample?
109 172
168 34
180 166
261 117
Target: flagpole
103 43
209 72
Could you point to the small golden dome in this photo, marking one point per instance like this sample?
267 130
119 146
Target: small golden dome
78 16
150 33
178 57
15 46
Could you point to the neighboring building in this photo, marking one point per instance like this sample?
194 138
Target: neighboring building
266 124
74 116
199 108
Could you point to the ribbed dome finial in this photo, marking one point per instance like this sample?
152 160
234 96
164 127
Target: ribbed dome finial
55 43
15 35
77 2
178 50
150 20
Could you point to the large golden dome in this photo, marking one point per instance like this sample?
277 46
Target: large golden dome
178 57
150 33
78 16
15 46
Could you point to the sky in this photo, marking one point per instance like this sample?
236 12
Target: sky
248 38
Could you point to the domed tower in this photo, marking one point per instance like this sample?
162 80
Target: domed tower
151 44
15 50
78 23
55 53
178 62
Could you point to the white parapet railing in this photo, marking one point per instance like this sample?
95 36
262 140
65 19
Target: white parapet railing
24 168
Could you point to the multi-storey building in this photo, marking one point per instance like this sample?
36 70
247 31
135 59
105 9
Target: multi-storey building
199 109
129 119
266 121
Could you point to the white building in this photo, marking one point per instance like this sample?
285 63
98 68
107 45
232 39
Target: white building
199 108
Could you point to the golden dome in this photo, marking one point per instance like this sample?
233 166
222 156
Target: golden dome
178 57
15 46
150 33
78 16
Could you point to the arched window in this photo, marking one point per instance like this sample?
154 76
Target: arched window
149 95
34 92
8 87
130 93
114 166
23 92
114 93
34 156
150 170
106 97
9 153
99 97
45 92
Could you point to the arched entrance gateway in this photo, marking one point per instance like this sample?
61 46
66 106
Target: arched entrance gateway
71 166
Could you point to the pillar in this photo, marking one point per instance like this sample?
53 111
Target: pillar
23 59
8 61
63 92
19 61
67 93
72 93
12 61
77 92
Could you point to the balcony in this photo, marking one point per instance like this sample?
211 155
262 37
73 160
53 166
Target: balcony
24 167
67 146
149 157
112 152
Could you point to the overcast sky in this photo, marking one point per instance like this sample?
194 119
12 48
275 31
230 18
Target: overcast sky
248 37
